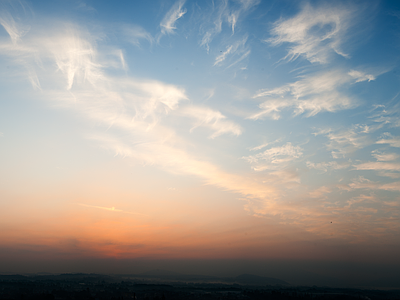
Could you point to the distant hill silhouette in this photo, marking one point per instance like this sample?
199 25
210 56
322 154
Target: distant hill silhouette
158 272
13 277
258 280
244 279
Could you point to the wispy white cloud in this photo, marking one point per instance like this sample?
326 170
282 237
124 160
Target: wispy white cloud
131 114
272 108
74 58
378 166
346 141
382 156
320 192
220 58
241 58
165 154
360 199
386 115
247 4
14 29
223 11
174 14
314 33
232 19
238 48
214 120
85 7
135 33
274 157
235 14
393 141
394 186
331 102
325 166
361 76
212 24
363 183
393 175
264 145
259 147
312 94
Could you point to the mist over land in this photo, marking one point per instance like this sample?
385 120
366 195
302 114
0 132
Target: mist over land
294 273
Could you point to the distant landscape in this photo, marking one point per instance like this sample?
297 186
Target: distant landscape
161 284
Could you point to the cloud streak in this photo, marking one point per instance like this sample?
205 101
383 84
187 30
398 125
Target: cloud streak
393 141
113 209
134 112
172 16
313 33
214 120
238 48
313 94
135 33
223 12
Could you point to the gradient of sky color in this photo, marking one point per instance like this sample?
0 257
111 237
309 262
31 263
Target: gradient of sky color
200 130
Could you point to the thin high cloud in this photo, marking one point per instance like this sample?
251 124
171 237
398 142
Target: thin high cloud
176 12
393 141
136 110
135 33
315 33
112 209
383 156
10 11
11 27
326 166
223 12
214 120
364 183
213 23
312 94
234 53
320 192
277 162
81 5
275 157
343 142
178 161
361 76
386 115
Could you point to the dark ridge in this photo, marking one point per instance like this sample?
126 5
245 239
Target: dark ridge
258 280
13 277
106 287
158 272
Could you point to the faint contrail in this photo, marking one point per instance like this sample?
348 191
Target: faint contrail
111 209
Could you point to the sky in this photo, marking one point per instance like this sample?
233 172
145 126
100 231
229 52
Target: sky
200 131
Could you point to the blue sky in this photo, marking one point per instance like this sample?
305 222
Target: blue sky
199 119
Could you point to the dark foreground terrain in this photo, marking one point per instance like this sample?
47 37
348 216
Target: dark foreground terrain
99 287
